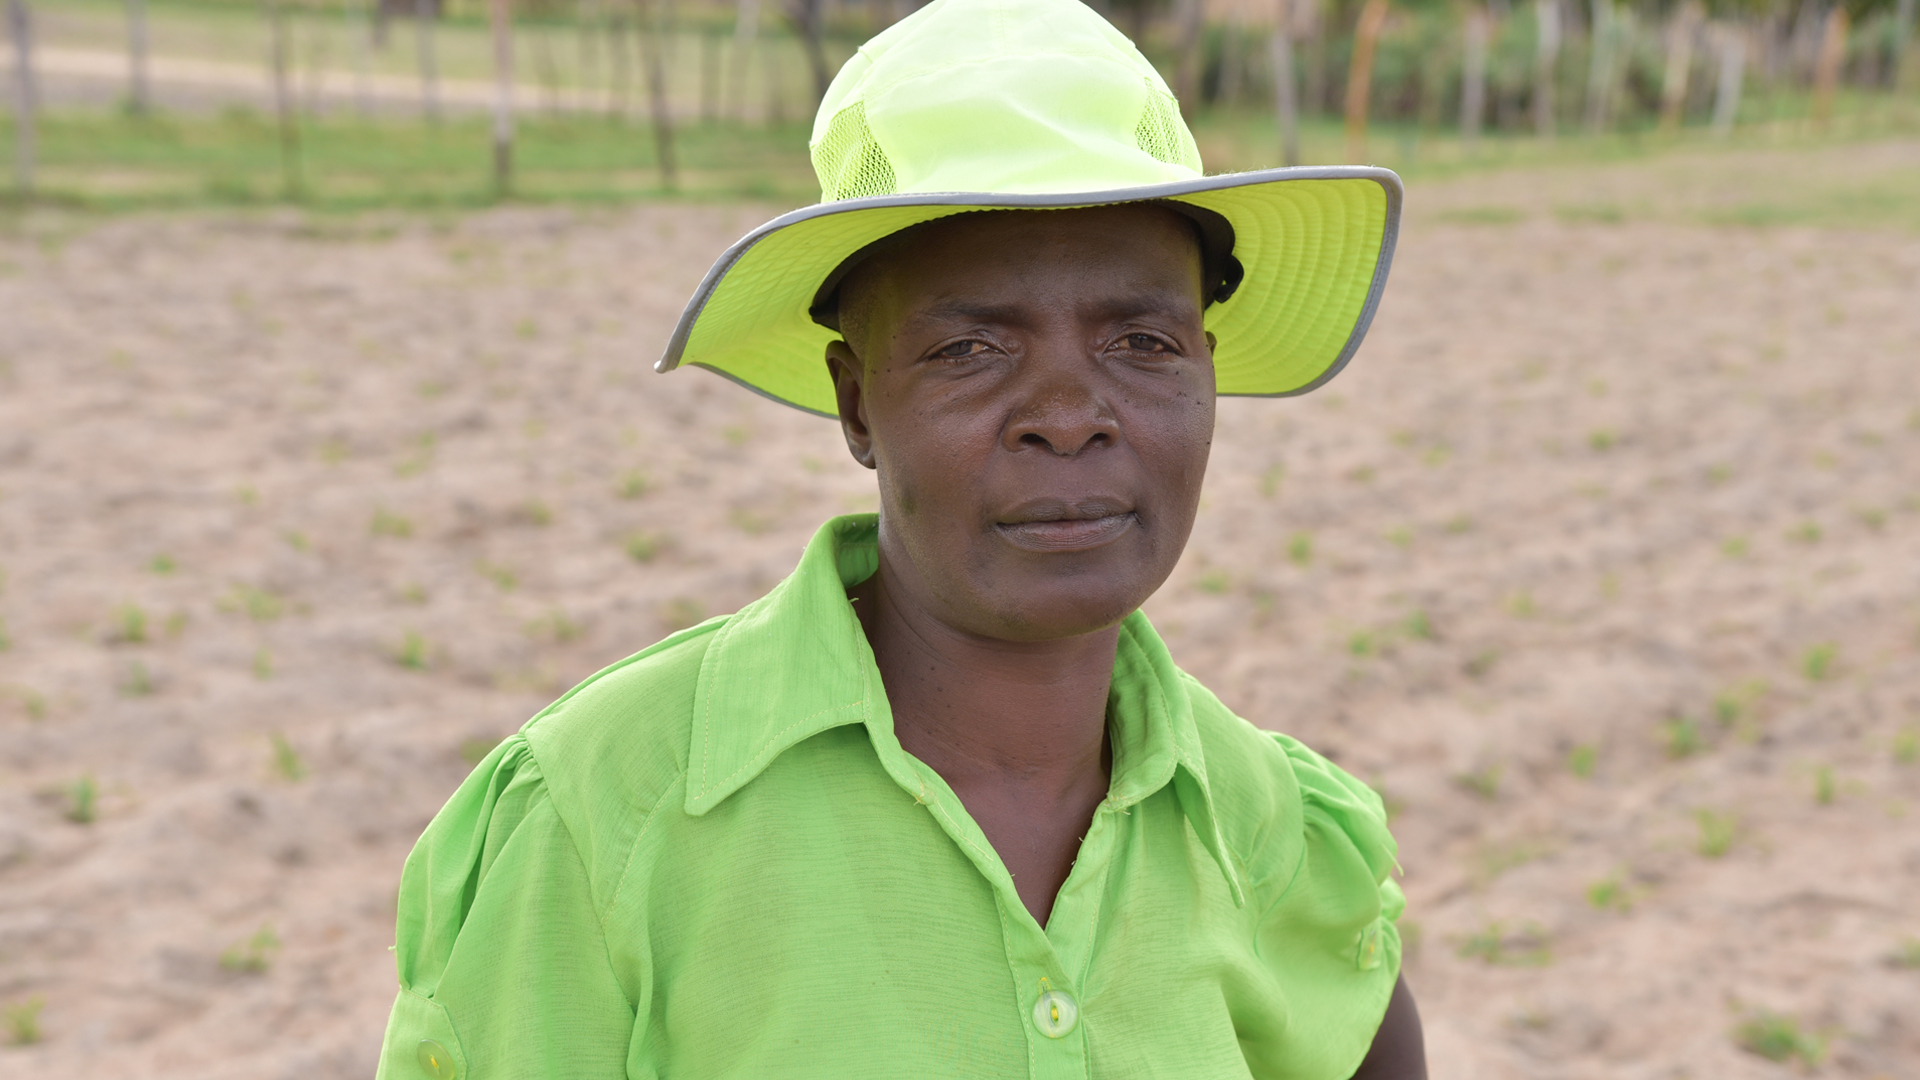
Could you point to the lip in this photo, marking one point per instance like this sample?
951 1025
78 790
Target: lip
1057 525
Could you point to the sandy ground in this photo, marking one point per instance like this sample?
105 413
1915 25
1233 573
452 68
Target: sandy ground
1603 561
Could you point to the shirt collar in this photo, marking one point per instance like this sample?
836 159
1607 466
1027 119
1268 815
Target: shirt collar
796 662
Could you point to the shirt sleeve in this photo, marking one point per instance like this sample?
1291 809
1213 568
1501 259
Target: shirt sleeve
1330 937
501 954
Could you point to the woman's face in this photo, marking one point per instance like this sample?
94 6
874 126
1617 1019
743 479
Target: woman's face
1035 390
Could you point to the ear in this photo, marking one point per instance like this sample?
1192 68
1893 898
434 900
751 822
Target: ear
1213 344
850 394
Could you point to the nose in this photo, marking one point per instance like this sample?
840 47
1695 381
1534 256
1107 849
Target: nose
1062 410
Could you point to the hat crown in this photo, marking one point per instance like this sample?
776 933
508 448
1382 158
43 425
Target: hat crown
1002 96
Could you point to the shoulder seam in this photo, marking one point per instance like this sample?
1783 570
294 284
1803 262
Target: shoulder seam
620 885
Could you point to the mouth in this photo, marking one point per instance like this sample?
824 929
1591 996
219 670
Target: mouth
1055 525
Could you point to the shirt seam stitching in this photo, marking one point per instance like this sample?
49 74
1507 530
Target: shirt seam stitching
626 867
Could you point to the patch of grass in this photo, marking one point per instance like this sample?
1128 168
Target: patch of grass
1907 953
1484 781
1681 738
1807 532
255 955
1734 547
1582 759
1300 548
680 613
83 798
535 513
1498 945
1591 214
138 681
474 751
1824 788
1400 537
1419 626
132 624
1521 606
748 521
262 664
1717 832
503 577
297 540
1817 662
1611 893
556 624
1906 746
1778 1038
1872 517
1270 478
643 547
1481 663
413 593
633 484
6 639
387 523
1495 859
412 653
1214 582
417 462
1457 524
286 760
1602 439
23 1020
258 604
162 564
1362 643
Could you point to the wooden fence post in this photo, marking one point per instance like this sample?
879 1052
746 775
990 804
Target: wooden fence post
1286 101
137 56
1826 71
359 35
1600 64
655 23
1366 37
501 18
1546 57
1191 16
746 27
1903 47
429 75
1673 84
277 48
1733 68
1473 77
25 96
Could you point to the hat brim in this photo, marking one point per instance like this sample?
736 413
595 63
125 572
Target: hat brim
1316 243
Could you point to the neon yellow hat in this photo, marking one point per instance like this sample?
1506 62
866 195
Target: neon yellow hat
1040 104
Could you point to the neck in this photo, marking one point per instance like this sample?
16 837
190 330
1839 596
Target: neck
985 713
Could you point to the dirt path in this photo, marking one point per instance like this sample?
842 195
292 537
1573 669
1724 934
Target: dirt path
1601 561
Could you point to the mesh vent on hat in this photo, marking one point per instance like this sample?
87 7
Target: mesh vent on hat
1161 133
849 163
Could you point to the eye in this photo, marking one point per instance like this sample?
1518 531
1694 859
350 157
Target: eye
1147 343
961 349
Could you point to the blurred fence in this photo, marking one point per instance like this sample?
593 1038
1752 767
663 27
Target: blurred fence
1503 68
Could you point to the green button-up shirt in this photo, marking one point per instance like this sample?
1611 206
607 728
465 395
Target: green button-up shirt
714 859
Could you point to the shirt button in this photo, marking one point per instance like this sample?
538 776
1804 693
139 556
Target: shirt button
1367 955
435 1061
1055 1014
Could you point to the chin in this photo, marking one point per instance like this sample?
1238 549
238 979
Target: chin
1039 616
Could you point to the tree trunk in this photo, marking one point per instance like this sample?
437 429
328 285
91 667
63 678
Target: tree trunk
1546 59
586 14
709 76
1366 36
1733 67
25 96
278 47
1473 78
429 75
746 27
501 22
1826 71
1903 48
1673 85
361 37
1286 105
1233 61
1600 65
1186 76
137 98
806 19
655 24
